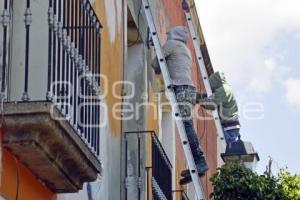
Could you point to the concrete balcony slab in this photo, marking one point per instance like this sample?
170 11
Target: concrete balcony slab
50 148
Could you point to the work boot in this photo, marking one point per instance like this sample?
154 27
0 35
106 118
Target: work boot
201 169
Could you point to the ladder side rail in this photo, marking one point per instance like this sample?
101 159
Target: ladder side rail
173 101
201 65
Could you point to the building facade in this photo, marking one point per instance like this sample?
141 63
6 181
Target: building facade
84 115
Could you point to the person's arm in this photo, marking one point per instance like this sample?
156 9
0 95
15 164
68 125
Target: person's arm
212 102
205 101
155 66
167 50
200 97
219 96
208 103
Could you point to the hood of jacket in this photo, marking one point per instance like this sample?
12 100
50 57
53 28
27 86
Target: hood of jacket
217 80
179 33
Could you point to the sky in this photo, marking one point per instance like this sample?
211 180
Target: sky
256 43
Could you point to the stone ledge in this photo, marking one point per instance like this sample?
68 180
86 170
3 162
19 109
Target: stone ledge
51 149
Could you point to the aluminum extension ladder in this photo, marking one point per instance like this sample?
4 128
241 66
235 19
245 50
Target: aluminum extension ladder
201 65
172 98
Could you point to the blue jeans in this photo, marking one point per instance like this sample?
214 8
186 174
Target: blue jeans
194 142
186 97
231 135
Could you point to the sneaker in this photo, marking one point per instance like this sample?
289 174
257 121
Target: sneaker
187 178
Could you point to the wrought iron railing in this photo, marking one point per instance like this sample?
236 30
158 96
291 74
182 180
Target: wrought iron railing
161 167
161 171
73 62
5 42
73 68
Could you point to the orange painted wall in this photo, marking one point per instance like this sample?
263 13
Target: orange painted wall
109 14
30 188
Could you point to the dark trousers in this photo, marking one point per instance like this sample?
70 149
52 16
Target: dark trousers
186 98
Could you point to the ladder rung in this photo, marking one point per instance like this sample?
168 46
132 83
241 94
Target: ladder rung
203 71
173 100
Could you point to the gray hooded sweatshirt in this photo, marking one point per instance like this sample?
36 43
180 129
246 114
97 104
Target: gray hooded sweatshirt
178 56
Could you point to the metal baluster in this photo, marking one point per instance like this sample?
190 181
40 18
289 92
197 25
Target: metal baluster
78 98
81 49
68 65
59 59
98 50
90 65
64 66
85 55
76 39
94 124
93 96
74 75
54 52
139 166
83 111
98 128
85 114
76 24
50 35
92 79
96 80
90 14
5 23
28 21
89 122
98 70
74 65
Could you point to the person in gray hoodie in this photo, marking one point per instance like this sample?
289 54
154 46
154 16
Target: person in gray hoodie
179 62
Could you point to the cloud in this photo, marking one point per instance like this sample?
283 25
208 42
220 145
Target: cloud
242 38
262 82
292 95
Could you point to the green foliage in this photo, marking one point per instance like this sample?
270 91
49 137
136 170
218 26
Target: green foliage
234 181
289 185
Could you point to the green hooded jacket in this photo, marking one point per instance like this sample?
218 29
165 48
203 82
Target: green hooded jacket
223 97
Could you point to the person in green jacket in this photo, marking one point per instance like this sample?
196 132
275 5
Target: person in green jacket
224 100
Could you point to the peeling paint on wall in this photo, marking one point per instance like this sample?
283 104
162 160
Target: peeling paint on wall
113 17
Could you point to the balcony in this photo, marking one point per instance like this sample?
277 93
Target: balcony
159 173
50 80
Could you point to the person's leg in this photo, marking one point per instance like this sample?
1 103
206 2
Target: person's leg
231 135
195 146
186 98
198 156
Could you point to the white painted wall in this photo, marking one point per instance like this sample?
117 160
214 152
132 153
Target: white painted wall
168 134
107 185
38 58
136 72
